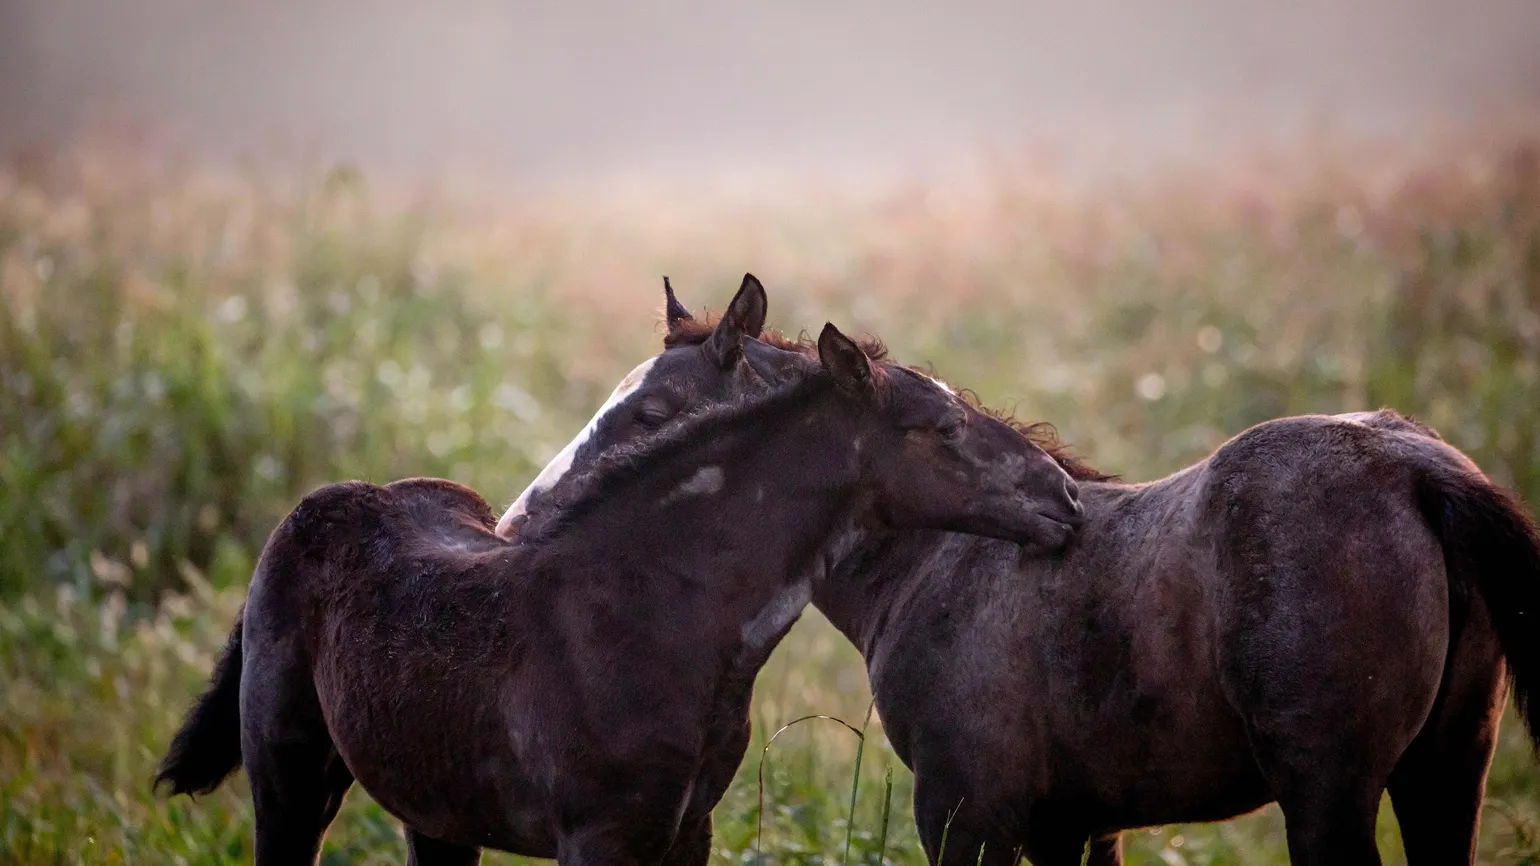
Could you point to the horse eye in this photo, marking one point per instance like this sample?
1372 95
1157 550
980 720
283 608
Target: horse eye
952 427
652 416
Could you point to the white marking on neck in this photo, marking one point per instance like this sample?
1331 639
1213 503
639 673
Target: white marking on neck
562 462
777 615
706 481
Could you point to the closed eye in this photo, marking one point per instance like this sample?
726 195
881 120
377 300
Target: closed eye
652 417
953 426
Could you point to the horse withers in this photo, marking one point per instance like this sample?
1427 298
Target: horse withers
570 694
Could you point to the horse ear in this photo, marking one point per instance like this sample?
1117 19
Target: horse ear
844 360
774 366
675 312
745 317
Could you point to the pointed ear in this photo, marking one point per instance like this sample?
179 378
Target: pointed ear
844 360
673 310
745 317
774 366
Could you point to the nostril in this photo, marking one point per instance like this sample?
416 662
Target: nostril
509 526
1071 490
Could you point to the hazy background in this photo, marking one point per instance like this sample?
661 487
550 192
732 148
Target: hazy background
205 314
542 92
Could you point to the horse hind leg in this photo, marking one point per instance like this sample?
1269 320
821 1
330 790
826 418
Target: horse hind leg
1438 785
296 789
425 851
1437 797
298 780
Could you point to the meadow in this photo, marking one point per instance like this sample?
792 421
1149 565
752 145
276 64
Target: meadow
186 349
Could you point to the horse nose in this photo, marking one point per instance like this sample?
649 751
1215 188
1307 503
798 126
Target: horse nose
1072 499
510 525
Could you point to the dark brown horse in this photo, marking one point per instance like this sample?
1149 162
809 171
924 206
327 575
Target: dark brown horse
1325 608
570 695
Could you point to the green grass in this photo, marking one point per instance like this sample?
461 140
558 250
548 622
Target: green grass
183 353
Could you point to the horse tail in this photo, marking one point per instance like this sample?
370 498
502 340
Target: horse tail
1492 548
207 748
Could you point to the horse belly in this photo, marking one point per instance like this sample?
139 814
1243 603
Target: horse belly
445 767
1186 759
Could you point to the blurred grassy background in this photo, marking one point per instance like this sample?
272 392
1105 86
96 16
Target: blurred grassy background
185 351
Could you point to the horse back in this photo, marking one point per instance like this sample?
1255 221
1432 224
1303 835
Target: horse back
353 554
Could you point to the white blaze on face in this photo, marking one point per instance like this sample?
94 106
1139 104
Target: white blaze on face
559 464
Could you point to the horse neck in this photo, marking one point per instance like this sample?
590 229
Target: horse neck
876 572
864 583
770 488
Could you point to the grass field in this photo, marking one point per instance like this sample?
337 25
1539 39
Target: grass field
184 352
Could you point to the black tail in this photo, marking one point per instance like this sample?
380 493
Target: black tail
1492 547
207 749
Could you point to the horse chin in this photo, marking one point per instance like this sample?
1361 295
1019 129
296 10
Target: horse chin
1045 533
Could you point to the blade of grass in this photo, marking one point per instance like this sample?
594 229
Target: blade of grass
946 830
887 813
764 755
855 782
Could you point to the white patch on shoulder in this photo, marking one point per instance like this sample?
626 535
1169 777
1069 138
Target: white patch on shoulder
559 464
776 616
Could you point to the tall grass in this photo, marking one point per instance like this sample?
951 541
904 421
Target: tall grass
185 352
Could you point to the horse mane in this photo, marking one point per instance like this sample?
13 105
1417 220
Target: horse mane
693 332
1045 436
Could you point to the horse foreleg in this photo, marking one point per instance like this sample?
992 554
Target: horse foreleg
692 846
425 851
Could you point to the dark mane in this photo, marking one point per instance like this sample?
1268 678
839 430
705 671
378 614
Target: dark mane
1045 436
693 332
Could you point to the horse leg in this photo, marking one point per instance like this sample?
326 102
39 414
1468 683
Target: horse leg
692 845
296 789
1106 851
425 851
618 843
1326 758
960 829
724 752
297 779
1437 798
1333 650
1330 825
1438 785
